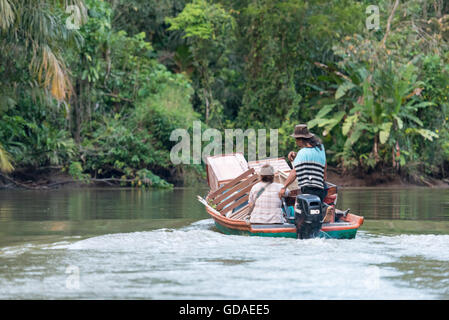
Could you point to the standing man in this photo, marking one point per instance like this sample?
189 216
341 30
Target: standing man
309 168
309 164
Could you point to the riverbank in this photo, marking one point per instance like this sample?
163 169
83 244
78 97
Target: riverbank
53 178
49 179
377 179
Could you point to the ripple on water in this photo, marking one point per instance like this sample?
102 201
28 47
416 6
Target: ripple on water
198 262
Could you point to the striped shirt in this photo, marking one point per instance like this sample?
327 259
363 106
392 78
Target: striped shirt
309 165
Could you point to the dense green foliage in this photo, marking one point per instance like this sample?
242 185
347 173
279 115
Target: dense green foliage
101 100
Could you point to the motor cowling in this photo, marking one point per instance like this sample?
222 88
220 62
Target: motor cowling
308 216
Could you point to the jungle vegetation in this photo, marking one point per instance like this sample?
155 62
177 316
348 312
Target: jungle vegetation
94 88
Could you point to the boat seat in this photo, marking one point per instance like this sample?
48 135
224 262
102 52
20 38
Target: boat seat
272 226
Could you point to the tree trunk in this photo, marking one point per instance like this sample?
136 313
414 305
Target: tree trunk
390 18
79 114
206 100
438 5
376 148
75 114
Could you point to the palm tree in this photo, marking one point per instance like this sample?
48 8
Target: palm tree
37 30
33 34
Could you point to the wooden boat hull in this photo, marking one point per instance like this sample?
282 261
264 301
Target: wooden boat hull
346 228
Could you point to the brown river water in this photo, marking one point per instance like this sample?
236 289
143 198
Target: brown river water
161 244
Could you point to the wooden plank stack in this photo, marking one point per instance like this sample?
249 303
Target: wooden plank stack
278 164
222 169
233 194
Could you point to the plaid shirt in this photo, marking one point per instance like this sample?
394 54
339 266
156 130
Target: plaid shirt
268 205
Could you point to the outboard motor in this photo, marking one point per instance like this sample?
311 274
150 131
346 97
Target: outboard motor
308 216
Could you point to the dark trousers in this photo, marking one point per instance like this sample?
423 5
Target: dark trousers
321 193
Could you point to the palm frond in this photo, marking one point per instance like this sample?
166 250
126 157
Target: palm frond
7 15
52 73
40 32
5 161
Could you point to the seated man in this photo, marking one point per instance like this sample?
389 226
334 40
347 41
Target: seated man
264 200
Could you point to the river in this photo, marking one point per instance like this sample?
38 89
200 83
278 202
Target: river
160 244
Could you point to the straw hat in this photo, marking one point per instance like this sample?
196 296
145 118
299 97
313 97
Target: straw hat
267 170
301 131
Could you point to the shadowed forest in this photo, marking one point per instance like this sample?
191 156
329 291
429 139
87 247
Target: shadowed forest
91 90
